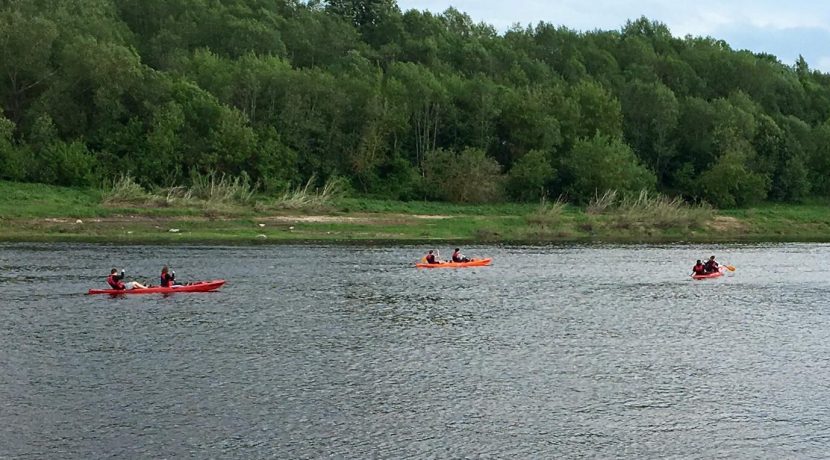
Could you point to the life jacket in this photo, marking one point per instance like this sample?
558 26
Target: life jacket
711 266
115 282
456 256
699 269
166 279
430 258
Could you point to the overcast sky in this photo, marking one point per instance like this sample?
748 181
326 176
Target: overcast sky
785 29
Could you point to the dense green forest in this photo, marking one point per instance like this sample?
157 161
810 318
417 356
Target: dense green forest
404 105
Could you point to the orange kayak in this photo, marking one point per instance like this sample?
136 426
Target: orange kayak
716 274
472 263
200 286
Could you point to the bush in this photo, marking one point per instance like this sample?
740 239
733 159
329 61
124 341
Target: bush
466 177
603 163
729 182
530 177
13 164
68 164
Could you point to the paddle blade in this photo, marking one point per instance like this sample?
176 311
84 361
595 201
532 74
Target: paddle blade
731 268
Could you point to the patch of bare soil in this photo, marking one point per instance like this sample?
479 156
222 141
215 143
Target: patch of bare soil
284 219
384 219
316 219
727 224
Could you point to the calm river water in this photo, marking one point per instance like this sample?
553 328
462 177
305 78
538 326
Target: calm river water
350 352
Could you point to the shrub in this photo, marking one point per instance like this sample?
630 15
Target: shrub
729 182
530 177
466 177
13 164
603 163
62 163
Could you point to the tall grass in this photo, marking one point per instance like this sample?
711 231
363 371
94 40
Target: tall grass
216 188
650 210
548 214
309 198
124 189
178 195
602 203
206 190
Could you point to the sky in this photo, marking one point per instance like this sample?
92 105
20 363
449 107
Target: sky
784 29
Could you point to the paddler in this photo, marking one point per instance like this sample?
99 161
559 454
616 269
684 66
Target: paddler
457 257
168 278
116 282
699 268
711 266
430 258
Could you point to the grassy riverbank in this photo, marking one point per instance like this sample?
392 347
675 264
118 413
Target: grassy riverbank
33 212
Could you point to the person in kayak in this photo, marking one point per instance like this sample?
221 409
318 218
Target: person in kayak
457 257
711 266
699 268
168 278
430 258
116 282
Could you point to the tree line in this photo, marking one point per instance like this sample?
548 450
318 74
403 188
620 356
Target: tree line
399 104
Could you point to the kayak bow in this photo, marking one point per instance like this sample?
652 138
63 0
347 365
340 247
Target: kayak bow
199 286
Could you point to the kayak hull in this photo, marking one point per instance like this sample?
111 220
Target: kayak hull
707 276
472 263
199 286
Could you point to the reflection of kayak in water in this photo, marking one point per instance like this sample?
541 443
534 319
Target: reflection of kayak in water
199 286
716 274
472 263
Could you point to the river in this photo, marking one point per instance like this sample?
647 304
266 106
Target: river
351 352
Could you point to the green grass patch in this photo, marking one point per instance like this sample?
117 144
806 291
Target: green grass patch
38 200
430 208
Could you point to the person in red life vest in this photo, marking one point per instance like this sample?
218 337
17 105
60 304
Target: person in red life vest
116 282
711 266
430 258
458 257
168 278
699 268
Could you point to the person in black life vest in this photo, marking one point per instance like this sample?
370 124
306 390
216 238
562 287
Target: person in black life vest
430 258
458 257
168 278
711 266
699 268
116 282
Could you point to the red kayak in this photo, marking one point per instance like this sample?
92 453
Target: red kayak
716 274
472 263
199 286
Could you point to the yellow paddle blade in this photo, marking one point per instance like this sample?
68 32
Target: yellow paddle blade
731 268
